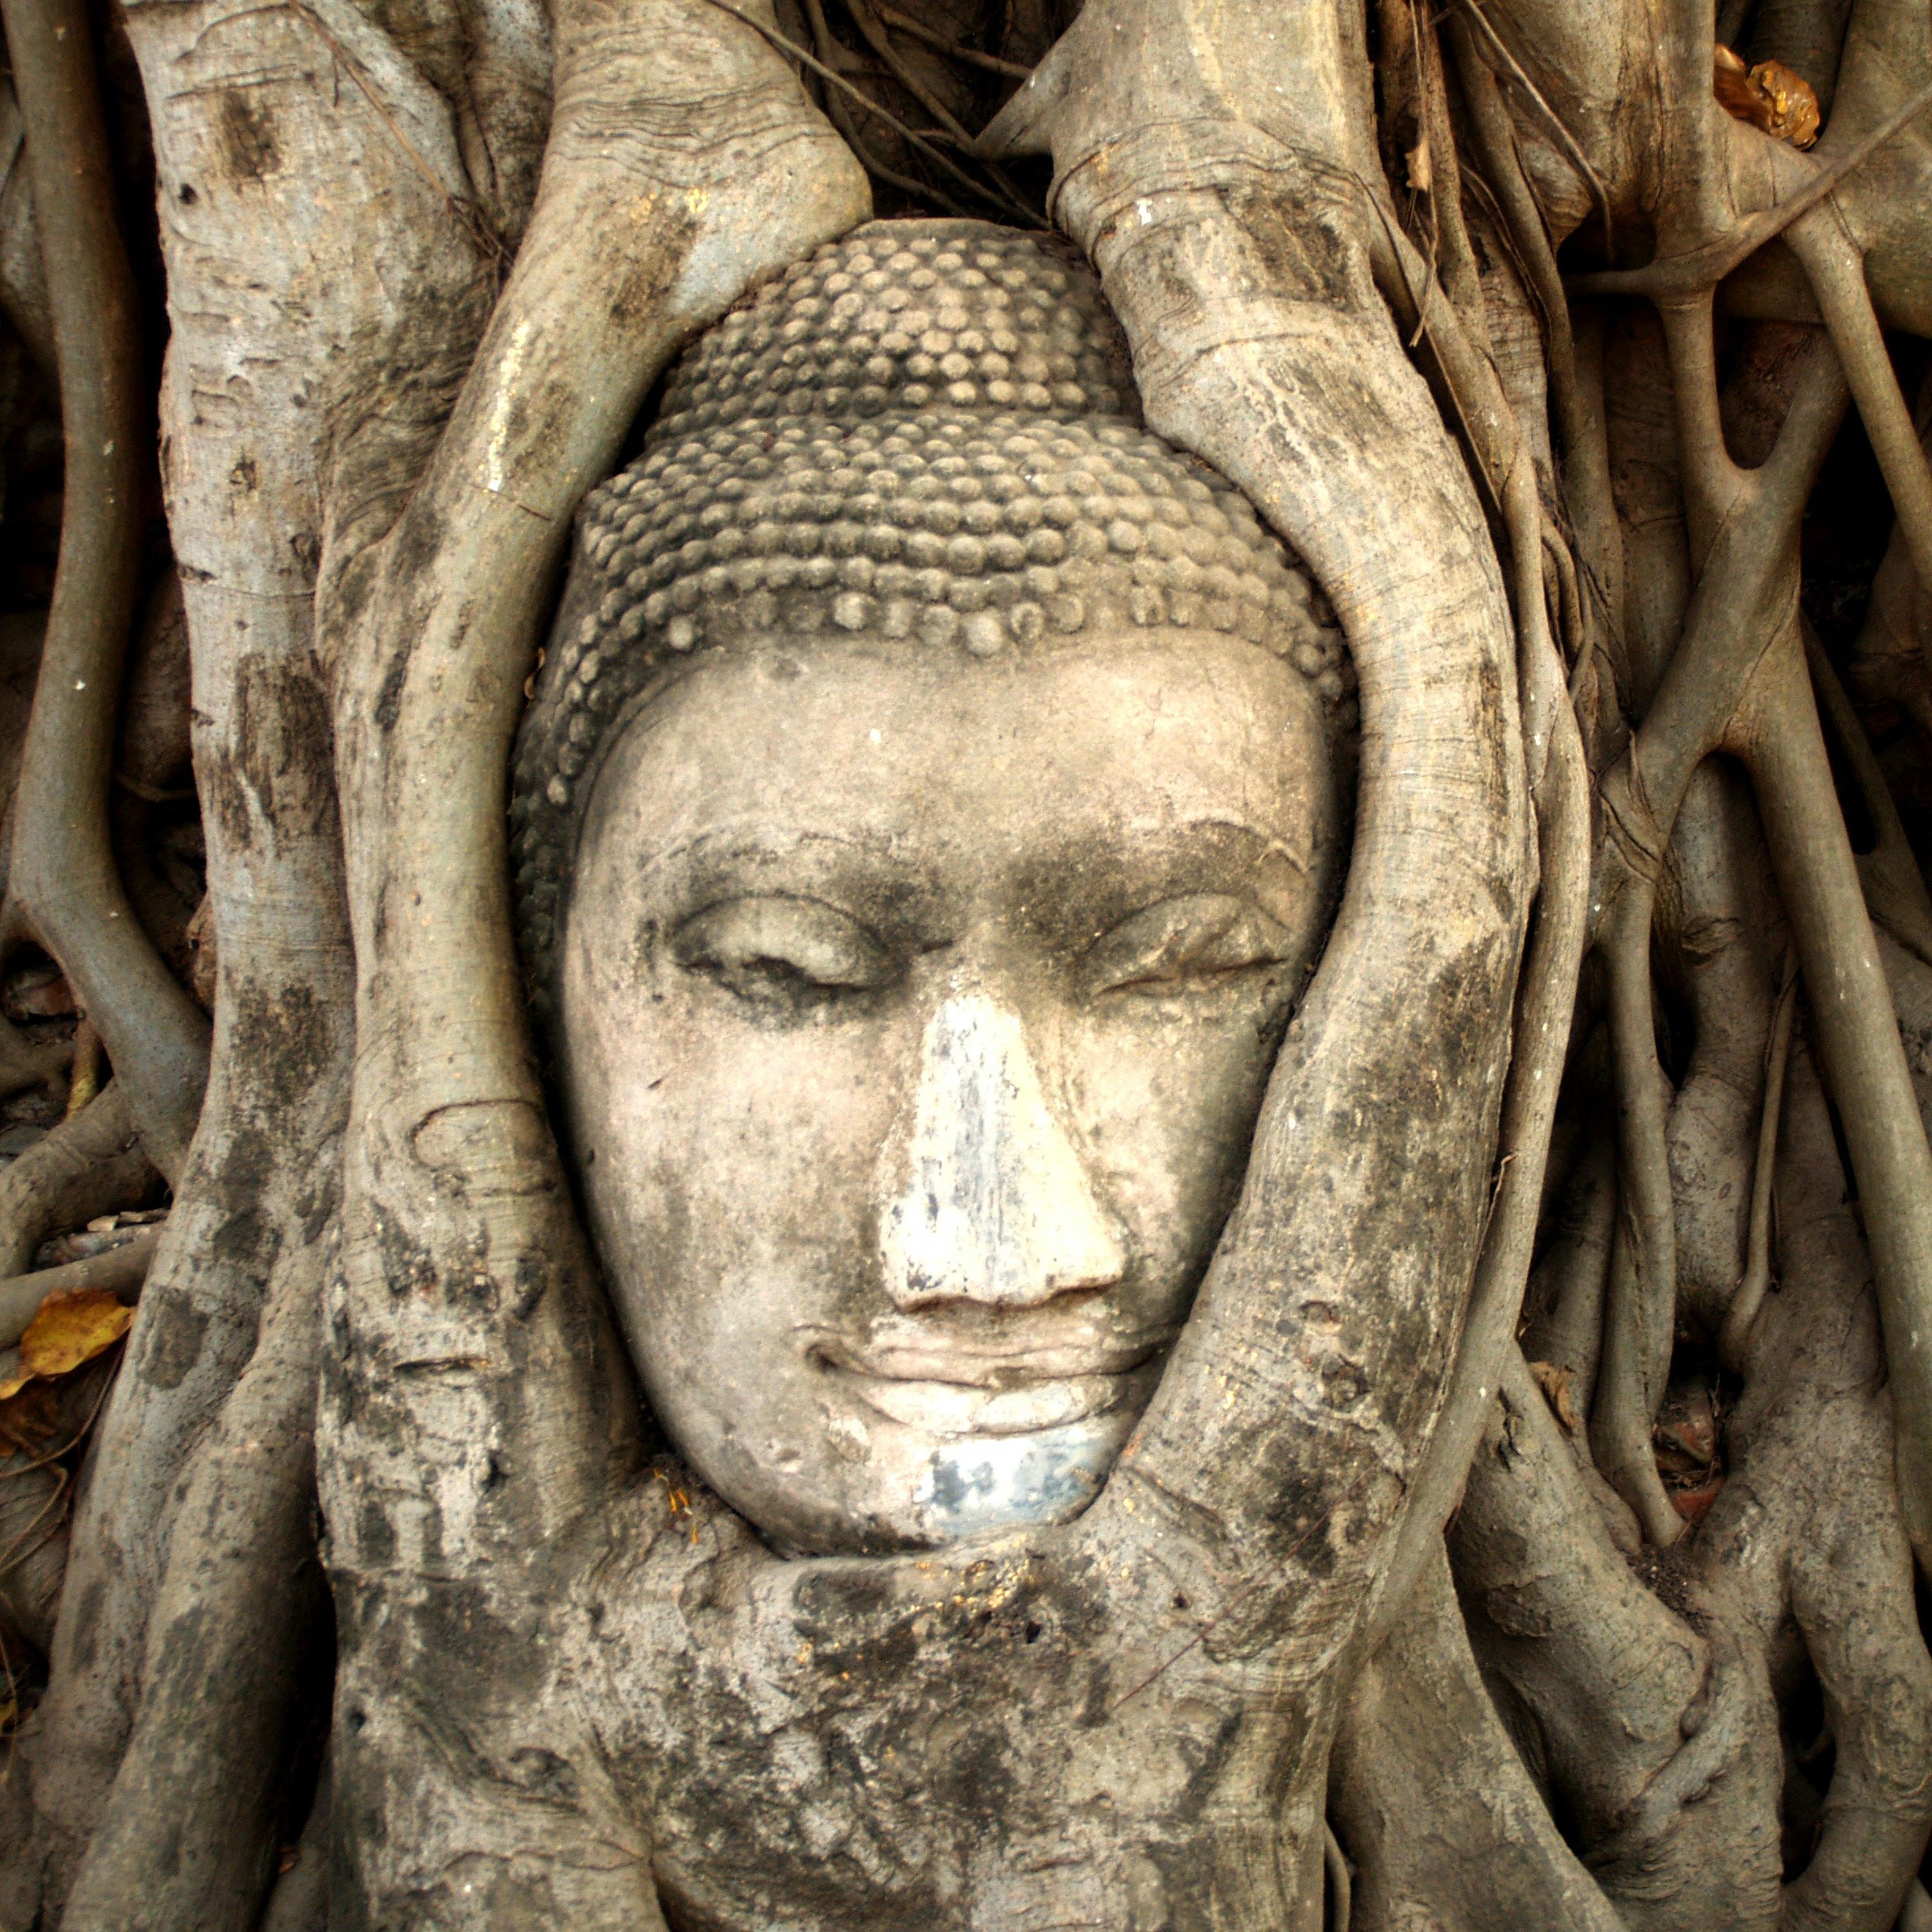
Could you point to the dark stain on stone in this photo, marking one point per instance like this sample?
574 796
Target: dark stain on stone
375 1537
274 765
174 1331
246 131
406 1264
285 1036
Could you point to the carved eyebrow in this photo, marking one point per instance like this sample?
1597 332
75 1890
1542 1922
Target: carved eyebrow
1299 856
753 855
1175 841
758 842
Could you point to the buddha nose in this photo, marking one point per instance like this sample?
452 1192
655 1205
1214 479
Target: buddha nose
992 1203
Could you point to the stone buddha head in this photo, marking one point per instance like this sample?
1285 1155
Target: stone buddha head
927 819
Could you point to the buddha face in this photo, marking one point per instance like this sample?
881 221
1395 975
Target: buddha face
916 1012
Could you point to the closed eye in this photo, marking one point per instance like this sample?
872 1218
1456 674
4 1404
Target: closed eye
778 952
1195 940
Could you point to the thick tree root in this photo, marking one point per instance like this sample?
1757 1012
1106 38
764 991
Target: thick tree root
1809 1530
120 1270
1625 1709
91 1164
188 1834
1432 1802
1858 1044
62 871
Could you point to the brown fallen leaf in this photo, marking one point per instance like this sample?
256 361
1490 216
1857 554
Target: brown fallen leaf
70 1328
201 944
30 1419
83 1076
1692 1498
38 993
1769 95
1555 1383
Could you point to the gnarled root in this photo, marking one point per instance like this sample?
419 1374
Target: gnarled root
187 1836
1432 1800
1808 1539
62 871
1659 1737
91 1164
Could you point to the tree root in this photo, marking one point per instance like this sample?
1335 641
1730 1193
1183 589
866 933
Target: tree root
254 1208
118 1271
1432 1801
1553 754
1691 270
1808 1527
1566 1299
1746 525
1836 269
1711 935
1734 1341
91 1164
1639 1297
62 871
187 1835
1895 889
1607 1681
1784 750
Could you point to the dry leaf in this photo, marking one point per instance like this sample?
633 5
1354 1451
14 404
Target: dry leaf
1770 96
30 1418
201 944
1420 175
1555 1383
72 1327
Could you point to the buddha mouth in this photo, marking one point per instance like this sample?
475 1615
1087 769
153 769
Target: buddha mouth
952 1392
962 1408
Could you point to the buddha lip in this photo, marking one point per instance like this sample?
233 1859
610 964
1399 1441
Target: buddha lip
965 1363
971 1408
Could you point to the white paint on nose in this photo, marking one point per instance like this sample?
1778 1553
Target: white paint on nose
986 1198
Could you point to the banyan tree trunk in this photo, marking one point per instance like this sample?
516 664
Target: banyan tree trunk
1596 1153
